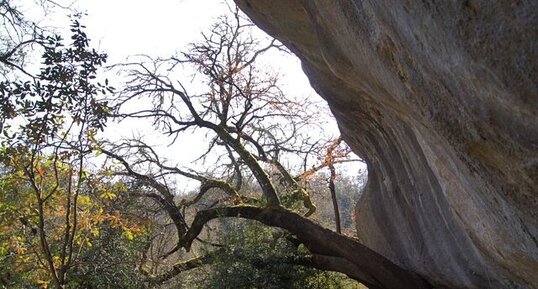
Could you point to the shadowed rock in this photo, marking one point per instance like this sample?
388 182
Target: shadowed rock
441 99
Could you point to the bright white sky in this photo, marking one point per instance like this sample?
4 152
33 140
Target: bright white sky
160 28
124 28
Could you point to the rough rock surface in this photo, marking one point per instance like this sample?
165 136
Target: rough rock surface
441 99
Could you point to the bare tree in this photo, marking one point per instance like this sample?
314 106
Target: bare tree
252 127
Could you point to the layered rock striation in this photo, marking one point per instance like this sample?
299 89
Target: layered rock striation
441 100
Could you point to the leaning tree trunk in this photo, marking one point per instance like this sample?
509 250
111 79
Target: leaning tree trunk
439 98
331 251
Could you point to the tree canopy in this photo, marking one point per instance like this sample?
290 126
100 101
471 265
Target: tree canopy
82 211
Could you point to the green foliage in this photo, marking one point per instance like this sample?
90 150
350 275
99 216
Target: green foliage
47 195
113 259
100 241
256 256
61 224
110 233
109 263
65 89
348 192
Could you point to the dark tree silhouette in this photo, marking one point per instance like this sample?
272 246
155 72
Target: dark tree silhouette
253 127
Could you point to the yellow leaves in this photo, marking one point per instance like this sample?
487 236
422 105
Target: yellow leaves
42 284
108 172
57 261
20 250
116 220
99 208
129 235
59 183
109 191
91 136
119 187
16 244
4 250
84 201
108 195
98 151
84 175
83 240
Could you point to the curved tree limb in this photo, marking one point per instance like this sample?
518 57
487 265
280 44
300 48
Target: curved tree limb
372 267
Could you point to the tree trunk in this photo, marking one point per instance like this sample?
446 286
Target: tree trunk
332 251
332 188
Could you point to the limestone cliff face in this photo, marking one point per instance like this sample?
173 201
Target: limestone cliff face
441 99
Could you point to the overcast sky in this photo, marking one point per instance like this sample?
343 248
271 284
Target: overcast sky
161 28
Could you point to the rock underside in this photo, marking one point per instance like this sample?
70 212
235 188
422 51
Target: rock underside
440 98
